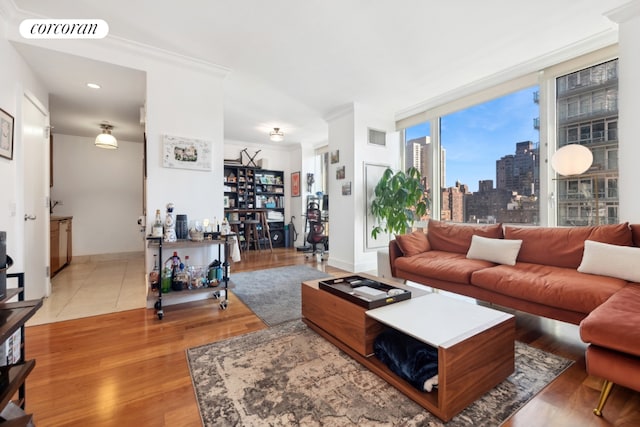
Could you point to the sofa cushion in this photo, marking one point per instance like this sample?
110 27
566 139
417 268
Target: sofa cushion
557 287
413 243
448 266
563 246
635 233
500 251
452 237
611 260
614 324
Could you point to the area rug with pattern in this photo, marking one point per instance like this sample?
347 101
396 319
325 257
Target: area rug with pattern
274 294
289 375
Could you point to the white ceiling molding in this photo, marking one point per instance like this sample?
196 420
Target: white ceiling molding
625 12
266 144
339 112
111 42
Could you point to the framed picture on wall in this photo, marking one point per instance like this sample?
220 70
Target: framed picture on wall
6 134
186 153
295 184
346 189
335 156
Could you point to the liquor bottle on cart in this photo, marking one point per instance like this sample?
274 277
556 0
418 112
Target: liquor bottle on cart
154 276
170 225
157 229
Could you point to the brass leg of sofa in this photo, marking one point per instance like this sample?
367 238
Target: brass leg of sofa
604 395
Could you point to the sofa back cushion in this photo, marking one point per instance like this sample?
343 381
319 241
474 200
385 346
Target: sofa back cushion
453 237
413 243
564 246
635 233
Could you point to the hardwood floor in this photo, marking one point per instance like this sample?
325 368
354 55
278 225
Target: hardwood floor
129 368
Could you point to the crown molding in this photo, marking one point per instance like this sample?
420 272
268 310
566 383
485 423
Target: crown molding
339 112
15 15
625 12
277 146
163 55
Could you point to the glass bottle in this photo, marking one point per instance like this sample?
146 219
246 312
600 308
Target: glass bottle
188 273
154 276
175 271
156 230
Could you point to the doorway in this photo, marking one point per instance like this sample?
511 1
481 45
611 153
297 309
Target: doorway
93 184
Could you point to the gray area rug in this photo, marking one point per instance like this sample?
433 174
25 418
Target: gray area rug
274 294
289 375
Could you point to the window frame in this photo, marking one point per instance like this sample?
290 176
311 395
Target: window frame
545 78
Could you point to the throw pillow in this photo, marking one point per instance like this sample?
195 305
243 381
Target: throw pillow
413 244
500 251
455 237
611 260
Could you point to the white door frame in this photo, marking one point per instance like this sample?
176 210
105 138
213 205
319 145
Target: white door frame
37 273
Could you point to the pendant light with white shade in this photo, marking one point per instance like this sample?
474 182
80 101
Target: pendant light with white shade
105 139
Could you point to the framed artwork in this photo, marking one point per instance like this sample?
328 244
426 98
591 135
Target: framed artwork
340 172
372 174
346 189
225 202
6 134
186 153
295 184
335 156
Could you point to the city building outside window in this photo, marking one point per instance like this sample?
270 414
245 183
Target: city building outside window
488 165
587 114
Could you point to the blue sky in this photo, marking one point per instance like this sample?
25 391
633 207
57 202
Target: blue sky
476 137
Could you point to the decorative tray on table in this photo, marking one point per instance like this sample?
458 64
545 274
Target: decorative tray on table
365 292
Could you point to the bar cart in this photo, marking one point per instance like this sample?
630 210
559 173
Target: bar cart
223 245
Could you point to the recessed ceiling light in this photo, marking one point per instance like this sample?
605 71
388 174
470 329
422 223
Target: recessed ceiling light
93 85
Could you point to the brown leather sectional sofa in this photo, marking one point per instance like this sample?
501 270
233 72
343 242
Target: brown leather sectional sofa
543 280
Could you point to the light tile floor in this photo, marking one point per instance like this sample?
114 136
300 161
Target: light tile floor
93 285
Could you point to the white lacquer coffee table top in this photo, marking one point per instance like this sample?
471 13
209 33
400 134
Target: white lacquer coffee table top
438 320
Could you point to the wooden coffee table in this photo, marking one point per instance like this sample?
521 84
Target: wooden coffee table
475 344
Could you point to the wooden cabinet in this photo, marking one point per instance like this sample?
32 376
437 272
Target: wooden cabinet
60 243
54 244
14 374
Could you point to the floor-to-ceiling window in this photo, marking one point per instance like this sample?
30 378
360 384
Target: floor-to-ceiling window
485 156
587 114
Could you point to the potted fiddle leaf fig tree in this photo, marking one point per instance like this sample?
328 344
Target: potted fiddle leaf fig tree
399 201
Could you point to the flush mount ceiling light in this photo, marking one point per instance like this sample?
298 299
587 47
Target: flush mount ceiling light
105 139
276 135
94 85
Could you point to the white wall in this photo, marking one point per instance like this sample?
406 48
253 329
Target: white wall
629 108
389 155
16 79
185 102
102 190
348 133
342 214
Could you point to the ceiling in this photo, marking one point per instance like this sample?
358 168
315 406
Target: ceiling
294 62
